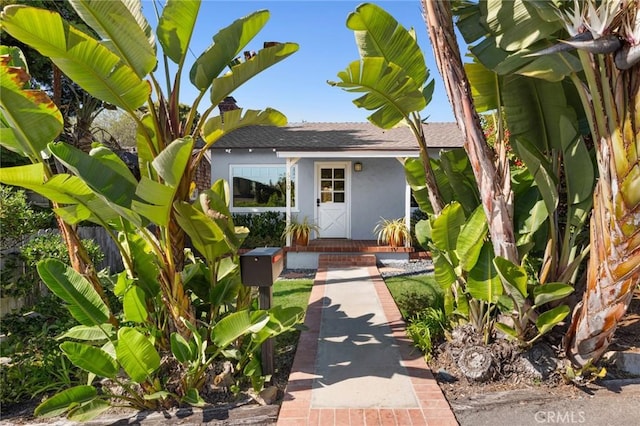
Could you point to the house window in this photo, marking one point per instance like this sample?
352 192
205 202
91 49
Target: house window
261 187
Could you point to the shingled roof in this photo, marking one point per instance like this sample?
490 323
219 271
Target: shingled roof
339 137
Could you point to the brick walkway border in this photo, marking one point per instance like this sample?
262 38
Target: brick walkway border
296 409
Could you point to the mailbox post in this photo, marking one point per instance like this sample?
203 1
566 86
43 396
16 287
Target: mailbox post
260 268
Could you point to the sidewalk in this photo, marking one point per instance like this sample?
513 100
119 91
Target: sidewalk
354 364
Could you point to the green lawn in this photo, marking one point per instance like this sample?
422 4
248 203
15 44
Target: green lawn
289 293
414 293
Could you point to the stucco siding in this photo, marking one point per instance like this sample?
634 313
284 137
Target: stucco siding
377 191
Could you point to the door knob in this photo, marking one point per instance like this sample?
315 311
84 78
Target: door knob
318 202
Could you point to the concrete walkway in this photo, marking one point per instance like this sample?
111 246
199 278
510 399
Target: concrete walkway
354 364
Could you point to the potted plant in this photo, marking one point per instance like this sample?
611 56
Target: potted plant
300 231
392 232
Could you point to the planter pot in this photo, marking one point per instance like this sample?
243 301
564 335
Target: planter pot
301 241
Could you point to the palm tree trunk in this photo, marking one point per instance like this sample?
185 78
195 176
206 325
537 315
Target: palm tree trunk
614 266
494 180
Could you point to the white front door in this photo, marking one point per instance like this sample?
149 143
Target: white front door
332 199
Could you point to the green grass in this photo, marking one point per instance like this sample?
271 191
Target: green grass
414 293
288 293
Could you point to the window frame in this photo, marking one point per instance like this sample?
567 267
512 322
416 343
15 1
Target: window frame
294 193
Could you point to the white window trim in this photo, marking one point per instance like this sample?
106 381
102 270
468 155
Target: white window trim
283 209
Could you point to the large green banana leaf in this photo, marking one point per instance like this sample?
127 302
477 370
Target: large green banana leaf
227 44
414 173
176 27
457 170
28 118
106 174
122 31
206 234
389 91
471 239
446 227
80 202
83 302
136 354
241 73
238 324
483 282
83 59
145 263
280 320
514 278
378 34
170 165
541 121
88 410
497 33
91 359
61 402
209 223
485 87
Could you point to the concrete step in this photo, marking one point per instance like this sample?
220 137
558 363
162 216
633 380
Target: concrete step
346 260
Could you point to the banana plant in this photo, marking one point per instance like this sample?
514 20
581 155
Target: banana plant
118 69
544 133
164 286
462 257
394 79
598 54
516 279
128 357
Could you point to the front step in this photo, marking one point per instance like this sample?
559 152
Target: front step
346 260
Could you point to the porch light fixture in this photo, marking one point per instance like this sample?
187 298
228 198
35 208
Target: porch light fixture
357 166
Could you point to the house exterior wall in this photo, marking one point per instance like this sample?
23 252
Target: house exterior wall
377 191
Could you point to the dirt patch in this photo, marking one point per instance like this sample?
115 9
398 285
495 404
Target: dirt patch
508 374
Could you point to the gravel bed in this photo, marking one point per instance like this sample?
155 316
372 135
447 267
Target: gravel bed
413 267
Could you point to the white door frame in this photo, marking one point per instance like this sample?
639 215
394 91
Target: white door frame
347 192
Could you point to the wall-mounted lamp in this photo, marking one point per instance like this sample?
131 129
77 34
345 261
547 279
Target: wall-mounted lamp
357 166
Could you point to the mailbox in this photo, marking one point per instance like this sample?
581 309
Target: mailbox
260 267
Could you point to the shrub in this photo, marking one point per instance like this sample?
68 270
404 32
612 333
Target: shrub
265 228
427 327
18 218
19 274
37 365
411 303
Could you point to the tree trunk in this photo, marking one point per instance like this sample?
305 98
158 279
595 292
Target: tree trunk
80 261
494 181
614 266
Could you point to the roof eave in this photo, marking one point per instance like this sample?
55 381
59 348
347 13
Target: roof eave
348 154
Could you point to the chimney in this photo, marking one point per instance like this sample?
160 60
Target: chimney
228 104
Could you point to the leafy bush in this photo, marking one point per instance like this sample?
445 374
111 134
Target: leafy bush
411 303
427 327
266 228
19 274
18 218
37 365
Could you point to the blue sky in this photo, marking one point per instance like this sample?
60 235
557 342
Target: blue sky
297 86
